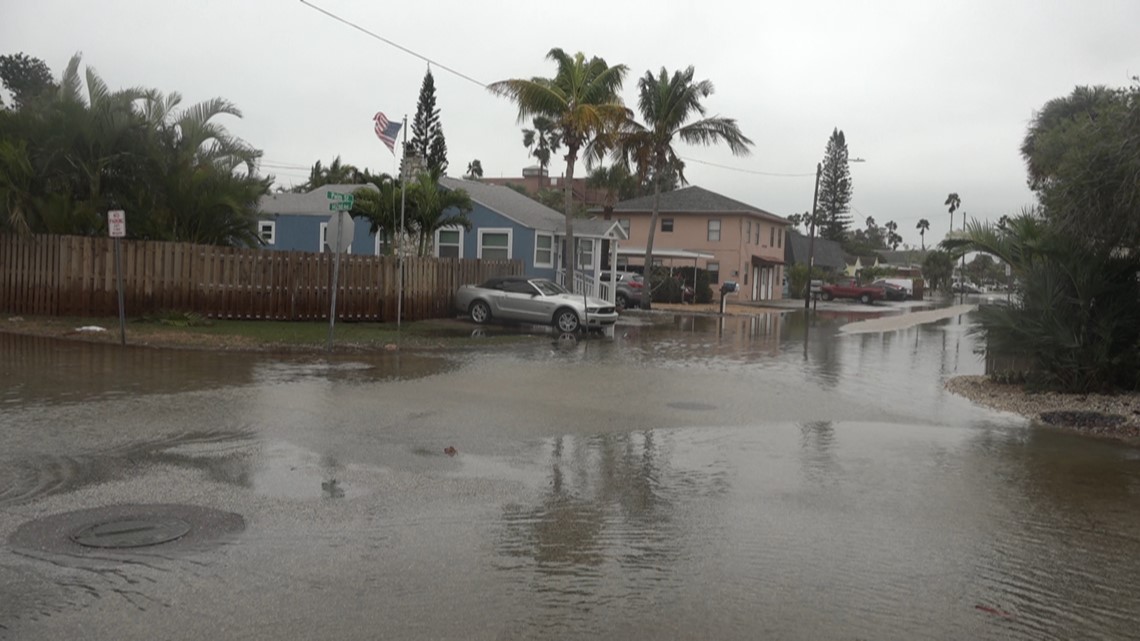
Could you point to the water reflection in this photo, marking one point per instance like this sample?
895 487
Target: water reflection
610 511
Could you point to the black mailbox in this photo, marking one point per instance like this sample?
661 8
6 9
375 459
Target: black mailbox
729 287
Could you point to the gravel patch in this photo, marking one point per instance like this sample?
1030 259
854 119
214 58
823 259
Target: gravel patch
1108 415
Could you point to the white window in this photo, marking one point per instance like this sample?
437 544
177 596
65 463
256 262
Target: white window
325 240
714 230
543 250
585 252
267 229
714 273
449 242
495 244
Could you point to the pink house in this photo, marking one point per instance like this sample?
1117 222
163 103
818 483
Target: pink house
732 240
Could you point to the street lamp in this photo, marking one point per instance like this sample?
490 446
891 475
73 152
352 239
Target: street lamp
811 232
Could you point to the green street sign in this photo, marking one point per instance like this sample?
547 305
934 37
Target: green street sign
332 195
341 206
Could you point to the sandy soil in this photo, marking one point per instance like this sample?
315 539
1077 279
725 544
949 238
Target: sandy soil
1014 398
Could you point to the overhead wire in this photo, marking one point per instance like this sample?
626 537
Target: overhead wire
468 78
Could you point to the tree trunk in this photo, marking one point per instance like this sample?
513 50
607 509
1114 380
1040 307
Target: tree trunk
647 295
569 256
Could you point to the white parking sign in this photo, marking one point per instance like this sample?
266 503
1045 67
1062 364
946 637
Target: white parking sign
117 223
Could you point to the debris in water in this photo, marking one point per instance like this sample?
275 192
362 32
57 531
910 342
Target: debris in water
91 328
391 347
450 451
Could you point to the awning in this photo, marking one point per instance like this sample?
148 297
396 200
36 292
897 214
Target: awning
665 253
757 261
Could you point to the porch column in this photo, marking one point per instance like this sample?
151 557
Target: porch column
613 271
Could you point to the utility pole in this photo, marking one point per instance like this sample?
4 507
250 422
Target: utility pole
811 238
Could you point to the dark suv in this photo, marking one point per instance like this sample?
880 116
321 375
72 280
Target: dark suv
629 288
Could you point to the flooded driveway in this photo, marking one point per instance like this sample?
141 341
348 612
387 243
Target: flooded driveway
688 477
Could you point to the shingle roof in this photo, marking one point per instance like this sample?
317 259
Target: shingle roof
315 202
508 202
694 200
903 257
827 253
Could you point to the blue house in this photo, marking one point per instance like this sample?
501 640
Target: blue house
506 225
298 222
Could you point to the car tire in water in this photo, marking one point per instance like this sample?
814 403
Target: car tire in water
865 299
566 320
825 295
622 301
480 312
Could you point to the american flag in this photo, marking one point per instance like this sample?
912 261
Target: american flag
385 130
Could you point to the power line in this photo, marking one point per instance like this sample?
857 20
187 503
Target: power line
749 171
389 42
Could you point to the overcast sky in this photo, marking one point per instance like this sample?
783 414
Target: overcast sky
935 96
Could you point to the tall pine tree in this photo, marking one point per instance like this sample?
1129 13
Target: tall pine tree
835 189
427 134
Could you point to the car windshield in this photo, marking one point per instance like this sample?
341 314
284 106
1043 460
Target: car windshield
548 288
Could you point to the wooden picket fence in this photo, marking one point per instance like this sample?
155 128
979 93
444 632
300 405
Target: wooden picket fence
75 276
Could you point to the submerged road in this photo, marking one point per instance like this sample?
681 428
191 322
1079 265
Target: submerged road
688 477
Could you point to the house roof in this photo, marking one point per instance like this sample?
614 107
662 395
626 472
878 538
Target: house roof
508 202
904 257
315 202
529 212
827 253
695 200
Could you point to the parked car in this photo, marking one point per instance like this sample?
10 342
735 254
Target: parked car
630 285
533 300
850 288
892 291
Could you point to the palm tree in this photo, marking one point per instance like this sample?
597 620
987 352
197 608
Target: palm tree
433 208
583 103
381 207
474 170
953 202
616 182
893 239
666 104
922 226
542 141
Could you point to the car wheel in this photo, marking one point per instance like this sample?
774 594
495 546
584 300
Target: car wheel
825 295
622 301
480 312
566 320
865 299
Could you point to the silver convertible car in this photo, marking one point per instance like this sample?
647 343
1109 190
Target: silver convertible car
533 300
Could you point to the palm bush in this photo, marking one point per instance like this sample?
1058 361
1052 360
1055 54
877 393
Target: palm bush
1078 313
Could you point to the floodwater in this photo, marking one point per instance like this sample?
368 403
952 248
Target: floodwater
685 478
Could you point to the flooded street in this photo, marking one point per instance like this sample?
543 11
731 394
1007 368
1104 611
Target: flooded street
686 478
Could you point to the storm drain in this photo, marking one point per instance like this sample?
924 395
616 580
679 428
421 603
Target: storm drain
125 527
132 533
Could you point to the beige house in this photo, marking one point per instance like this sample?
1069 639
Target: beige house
732 240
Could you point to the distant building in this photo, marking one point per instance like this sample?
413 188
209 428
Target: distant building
534 179
732 240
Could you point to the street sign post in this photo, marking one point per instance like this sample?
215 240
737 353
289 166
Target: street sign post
332 195
117 229
339 234
340 206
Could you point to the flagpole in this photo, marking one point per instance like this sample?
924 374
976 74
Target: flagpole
400 245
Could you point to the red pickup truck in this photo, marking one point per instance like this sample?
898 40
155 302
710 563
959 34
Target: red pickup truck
851 288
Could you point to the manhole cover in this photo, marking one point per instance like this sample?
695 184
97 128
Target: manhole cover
683 405
132 532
